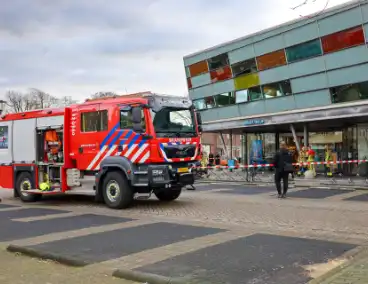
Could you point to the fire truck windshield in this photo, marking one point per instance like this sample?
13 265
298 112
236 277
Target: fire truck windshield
173 122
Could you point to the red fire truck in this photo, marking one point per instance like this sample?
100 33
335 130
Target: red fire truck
117 149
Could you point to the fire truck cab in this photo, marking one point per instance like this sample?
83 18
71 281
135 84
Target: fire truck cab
117 149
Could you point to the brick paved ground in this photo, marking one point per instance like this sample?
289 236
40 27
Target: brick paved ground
16 269
355 273
268 177
331 218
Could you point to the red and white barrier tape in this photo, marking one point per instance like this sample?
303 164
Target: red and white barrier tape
294 164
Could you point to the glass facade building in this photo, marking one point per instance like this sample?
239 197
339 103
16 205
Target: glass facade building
311 73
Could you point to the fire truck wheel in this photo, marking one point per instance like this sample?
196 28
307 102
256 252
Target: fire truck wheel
116 191
24 183
169 194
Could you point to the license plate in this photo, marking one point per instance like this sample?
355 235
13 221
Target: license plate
183 170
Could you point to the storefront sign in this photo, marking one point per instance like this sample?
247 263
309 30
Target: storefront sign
254 122
297 116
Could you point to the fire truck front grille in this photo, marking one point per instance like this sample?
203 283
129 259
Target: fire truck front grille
179 151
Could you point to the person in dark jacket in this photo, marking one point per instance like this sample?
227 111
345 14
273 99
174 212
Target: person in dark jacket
211 160
217 159
283 167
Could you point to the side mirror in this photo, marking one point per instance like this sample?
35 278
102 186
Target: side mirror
199 118
200 129
136 115
137 119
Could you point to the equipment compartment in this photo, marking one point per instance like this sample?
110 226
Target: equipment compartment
50 146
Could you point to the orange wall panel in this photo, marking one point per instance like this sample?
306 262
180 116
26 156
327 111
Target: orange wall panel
221 74
198 68
271 60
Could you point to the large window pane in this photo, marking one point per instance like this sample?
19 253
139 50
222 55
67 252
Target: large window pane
218 61
251 94
94 121
303 51
344 39
277 89
210 102
271 60
224 99
349 93
200 104
244 67
241 96
221 74
255 93
126 119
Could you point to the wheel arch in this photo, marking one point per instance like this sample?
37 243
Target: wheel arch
109 164
18 170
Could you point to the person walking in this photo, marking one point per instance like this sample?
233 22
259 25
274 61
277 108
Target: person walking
283 167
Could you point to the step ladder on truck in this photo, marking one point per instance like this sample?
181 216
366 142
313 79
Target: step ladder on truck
117 149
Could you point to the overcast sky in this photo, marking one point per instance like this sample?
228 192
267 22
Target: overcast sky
79 47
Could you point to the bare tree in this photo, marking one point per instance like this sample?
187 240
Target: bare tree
34 99
14 101
307 2
41 99
66 101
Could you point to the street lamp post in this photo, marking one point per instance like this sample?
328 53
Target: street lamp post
2 106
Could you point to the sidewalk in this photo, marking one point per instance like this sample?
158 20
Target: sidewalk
353 272
18 269
239 176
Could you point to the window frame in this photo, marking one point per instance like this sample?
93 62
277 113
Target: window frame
343 88
101 118
203 102
230 95
280 85
289 61
271 60
335 39
253 60
222 64
127 109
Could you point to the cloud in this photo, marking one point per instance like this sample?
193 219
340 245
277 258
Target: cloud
77 48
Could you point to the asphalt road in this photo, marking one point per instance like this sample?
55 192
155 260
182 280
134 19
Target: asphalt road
221 233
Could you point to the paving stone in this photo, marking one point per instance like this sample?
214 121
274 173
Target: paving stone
362 197
114 244
249 190
258 258
29 212
6 206
20 230
316 193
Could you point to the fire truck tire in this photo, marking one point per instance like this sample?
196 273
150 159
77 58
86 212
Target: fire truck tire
24 180
169 194
116 191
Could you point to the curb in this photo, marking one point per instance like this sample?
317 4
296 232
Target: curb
355 257
295 184
45 255
146 277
